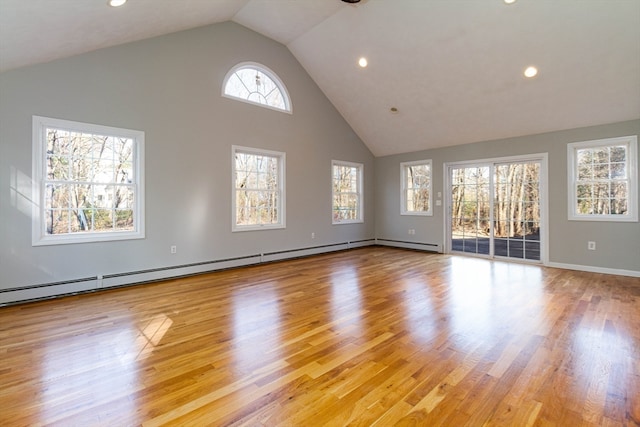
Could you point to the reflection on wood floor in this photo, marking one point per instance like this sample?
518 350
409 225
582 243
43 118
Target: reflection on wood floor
373 336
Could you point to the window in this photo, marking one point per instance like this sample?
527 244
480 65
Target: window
347 192
88 182
258 189
256 84
603 182
416 188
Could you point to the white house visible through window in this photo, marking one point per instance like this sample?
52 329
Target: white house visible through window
347 192
87 181
258 189
416 188
603 179
256 84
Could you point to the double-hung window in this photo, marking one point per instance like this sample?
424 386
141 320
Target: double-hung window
416 188
603 179
347 192
88 182
258 189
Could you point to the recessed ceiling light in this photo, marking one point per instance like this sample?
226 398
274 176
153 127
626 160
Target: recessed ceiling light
116 3
509 1
531 72
363 62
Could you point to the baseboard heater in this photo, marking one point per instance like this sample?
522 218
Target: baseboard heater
107 281
429 247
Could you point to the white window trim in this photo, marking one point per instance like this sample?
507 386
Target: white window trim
281 185
360 167
403 188
271 74
632 166
543 158
38 228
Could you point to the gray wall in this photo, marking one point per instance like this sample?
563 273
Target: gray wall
618 244
170 88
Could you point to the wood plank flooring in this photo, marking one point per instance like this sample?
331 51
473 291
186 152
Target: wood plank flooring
368 337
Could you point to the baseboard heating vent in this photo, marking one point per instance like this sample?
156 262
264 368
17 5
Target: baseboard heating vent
99 282
429 247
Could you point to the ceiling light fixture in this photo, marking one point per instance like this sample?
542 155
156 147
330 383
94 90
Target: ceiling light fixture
509 1
116 3
351 1
531 72
363 62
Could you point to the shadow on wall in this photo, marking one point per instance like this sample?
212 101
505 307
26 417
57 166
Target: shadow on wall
20 196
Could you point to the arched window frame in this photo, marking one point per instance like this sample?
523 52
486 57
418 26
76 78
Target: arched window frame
267 72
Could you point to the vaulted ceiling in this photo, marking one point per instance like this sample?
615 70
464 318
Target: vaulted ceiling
453 69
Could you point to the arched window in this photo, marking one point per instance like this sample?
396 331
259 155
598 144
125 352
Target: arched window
255 83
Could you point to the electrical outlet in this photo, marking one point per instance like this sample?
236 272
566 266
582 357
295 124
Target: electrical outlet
313 235
591 245
412 231
174 249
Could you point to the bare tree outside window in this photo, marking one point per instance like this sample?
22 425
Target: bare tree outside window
258 188
602 188
88 180
510 222
347 192
603 179
416 188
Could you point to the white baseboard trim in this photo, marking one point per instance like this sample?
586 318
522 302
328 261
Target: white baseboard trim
90 284
592 269
114 281
299 253
106 281
428 247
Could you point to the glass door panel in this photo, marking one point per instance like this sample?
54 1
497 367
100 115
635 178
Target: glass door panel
517 210
471 216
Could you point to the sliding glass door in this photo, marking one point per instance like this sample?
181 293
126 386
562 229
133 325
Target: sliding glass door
495 209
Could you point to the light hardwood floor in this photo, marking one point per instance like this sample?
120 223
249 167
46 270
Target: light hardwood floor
373 336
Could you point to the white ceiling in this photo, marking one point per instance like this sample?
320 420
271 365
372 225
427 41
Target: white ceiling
453 68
